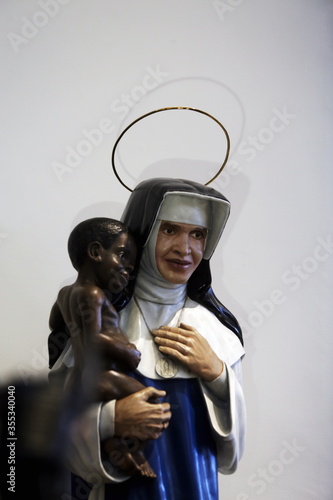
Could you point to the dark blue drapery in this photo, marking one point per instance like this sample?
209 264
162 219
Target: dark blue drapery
184 457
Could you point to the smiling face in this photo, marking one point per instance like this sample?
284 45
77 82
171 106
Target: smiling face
117 263
179 250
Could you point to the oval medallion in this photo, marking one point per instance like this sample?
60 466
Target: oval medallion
166 368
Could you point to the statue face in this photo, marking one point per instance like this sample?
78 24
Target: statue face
117 262
179 250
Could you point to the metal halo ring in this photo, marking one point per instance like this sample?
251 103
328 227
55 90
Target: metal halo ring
167 109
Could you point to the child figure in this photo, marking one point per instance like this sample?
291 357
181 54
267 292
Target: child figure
103 253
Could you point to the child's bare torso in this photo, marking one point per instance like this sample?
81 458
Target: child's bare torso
92 319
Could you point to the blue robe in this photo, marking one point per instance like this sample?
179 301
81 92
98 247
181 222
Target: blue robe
183 458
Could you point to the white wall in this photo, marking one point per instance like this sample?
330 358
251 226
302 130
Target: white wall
264 68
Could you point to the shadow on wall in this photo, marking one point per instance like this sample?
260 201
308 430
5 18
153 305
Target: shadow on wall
201 171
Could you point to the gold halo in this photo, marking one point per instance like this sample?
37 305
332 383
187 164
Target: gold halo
167 109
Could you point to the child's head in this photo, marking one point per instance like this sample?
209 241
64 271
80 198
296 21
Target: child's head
100 229
108 245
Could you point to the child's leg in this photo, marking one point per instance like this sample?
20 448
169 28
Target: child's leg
129 457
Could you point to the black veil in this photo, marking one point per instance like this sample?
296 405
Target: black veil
140 214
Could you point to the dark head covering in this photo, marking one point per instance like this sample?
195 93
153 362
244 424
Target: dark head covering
140 214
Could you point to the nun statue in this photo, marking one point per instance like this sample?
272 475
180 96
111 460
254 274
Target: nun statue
191 352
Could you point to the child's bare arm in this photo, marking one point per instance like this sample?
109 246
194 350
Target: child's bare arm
124 354
86 307
100 328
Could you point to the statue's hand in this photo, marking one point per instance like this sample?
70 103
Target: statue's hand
186 345
136 417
